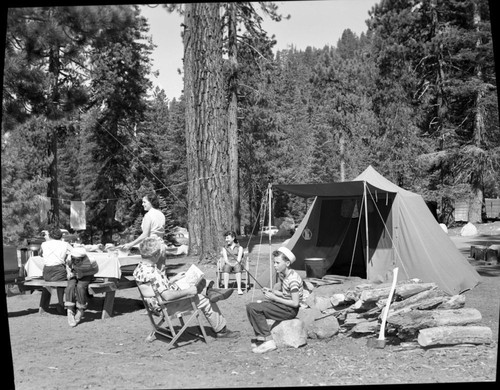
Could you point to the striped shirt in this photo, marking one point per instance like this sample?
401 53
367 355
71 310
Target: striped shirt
291 283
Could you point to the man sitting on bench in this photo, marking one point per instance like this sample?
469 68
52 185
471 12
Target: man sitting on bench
146 271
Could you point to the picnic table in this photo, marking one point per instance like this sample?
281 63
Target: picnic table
108 279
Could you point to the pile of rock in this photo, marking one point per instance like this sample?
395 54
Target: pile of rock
419 311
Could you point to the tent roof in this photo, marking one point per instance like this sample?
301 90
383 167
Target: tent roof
375 181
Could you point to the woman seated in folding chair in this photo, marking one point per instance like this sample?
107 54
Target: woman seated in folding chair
147 272
232 254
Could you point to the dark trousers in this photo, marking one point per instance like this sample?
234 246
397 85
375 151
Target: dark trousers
258 313
55 273
76 292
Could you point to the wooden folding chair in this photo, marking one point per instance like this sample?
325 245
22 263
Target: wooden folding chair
162 315
245 278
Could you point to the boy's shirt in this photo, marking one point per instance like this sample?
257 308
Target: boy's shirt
291 283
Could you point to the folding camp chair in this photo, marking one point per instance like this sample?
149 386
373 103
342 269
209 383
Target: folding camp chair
245 279
162 313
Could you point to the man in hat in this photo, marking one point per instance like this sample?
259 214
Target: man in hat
281 303
80 274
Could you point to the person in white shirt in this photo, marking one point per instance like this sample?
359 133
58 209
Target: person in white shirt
55 252
153 224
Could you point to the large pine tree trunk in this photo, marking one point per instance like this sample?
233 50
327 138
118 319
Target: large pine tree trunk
475 210
232 128
209 200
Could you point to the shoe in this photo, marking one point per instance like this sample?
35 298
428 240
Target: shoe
71 318
256 342
218 294
79 315
267 346
201 286
240 292
60 308
228 334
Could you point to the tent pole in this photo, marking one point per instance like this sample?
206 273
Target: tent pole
366 227
270 194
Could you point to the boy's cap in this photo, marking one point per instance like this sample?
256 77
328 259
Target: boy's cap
288 253
78 252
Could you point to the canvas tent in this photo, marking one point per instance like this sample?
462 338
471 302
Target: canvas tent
400 231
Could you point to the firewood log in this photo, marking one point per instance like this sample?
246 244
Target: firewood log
407 290
420 319
366 327
415 300
453 302
451 335
337 299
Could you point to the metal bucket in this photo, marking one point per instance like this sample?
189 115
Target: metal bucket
315 267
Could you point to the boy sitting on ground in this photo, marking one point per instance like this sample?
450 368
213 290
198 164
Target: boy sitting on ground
282 303
146 271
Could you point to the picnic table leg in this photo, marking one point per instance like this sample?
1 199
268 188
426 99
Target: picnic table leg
107 309
45 299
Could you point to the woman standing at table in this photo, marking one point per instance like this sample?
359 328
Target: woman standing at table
54 253
153 222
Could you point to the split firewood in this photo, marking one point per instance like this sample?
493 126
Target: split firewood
352 320
352 294
366 327
373 295
415 300
453 302
337 299
420 319
451 335
406 290
374 312
362 306
430 303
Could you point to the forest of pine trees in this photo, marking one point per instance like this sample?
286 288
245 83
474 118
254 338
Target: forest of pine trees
415 96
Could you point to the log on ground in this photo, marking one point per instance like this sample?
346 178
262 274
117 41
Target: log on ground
420 319
452 335
370 326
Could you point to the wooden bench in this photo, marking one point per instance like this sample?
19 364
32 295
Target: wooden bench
99 286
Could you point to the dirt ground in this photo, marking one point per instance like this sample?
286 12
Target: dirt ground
113 353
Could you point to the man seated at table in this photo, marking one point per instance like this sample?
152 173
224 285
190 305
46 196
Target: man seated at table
146 271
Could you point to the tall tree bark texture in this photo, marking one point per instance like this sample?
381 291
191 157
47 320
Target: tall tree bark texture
232 127
209 200
475 210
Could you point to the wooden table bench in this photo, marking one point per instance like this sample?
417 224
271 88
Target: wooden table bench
105 286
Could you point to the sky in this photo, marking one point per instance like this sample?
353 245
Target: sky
312 23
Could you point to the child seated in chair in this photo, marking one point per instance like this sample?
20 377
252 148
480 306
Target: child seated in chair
146 271
232 255
281 303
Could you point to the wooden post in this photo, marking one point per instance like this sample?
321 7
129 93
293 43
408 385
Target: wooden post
269 193
366 226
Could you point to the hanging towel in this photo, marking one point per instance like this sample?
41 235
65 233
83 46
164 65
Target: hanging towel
44 207
77 215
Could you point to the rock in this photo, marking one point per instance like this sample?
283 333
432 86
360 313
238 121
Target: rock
323 327
321 303
468 230
289 333
444 227
308 315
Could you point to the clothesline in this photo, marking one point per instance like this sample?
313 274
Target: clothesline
110 199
